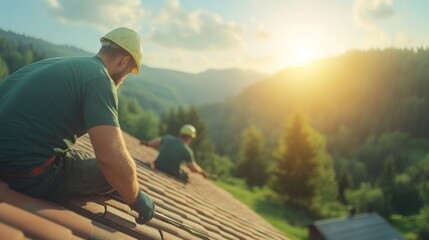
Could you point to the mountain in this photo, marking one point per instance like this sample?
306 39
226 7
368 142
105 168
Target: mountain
353 99
370 106
160 89
43 47
155 88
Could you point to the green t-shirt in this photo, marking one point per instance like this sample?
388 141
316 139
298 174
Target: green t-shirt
47 105
171 153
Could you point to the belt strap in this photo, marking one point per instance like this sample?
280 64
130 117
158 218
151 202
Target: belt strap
35 172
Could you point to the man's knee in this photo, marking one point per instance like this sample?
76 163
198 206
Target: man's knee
82 176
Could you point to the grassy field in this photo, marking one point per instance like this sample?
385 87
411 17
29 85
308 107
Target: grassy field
406 225
289 220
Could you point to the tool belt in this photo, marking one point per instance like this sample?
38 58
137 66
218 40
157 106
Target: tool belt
35 172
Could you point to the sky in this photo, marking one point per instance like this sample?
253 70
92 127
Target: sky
196 35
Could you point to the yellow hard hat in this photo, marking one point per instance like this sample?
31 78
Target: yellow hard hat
130 41
188 130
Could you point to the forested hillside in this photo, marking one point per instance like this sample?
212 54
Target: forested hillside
371 106
161 89
352 97
42 47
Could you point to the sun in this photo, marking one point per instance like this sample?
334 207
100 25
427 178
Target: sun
298 53
303 53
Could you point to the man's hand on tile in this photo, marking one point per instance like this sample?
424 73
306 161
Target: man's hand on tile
145 208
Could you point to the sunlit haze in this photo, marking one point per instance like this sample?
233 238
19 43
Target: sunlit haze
196 35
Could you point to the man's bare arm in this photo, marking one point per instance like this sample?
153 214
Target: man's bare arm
116 163
155 143
196 168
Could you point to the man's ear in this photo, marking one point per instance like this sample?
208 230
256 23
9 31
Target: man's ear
125 60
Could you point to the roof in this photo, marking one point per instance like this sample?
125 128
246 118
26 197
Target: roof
368 226
197 210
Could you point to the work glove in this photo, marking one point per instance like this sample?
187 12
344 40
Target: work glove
144 207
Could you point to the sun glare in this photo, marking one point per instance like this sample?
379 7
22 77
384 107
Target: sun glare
298 54
303 53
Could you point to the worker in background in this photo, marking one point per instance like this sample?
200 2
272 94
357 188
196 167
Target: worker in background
47 105
174 150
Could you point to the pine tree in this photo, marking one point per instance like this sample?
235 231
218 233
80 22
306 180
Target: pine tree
302 163
388 174
251 164
344 182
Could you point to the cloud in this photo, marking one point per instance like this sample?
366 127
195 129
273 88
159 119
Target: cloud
198 30
368 12
102 15
262 34
382 39
367 15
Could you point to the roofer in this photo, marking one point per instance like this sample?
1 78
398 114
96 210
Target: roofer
46 105
174 150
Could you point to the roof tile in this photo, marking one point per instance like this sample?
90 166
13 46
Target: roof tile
210 227
105 200
196 210
228 236
169 236
128 221
84 203
163 226
195 226
169 214
103 232
8 232
79 225
156 189
174 196
31 225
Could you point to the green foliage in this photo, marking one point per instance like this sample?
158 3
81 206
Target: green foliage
218 166
370 105
423 224
41 48
392 145
325 202
406 225
295 163
289 219
387 176
356 169
252 164
403 195
14 56
162 89
366 198
135 121
4 70
303 173
345 181
420 174
423 188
